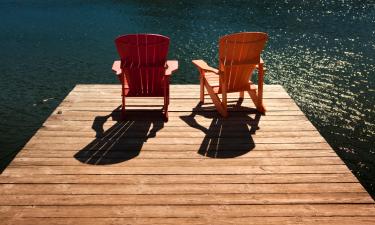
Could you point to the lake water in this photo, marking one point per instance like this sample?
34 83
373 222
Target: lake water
322 52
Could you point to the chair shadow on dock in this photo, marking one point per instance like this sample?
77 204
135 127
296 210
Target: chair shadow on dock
124 140
225 137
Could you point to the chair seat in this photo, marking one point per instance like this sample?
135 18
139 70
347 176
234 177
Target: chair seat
213 79
129 93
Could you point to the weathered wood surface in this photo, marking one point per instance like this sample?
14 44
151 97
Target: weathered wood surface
84 166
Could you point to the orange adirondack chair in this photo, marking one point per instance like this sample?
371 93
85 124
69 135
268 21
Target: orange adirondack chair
144 70
239 55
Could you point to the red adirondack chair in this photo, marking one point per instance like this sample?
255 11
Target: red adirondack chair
144 70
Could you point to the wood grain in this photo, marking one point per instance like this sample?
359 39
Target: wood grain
84 166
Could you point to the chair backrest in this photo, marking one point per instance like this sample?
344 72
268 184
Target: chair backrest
143 58
238 55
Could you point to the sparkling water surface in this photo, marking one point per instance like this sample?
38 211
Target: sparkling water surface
322 52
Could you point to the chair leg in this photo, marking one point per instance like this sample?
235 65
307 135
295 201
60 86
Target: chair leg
123 95
216 100
166 115
260 106
242 94
240 100
201 88
255 98
123 108
166 103
224 100
166 99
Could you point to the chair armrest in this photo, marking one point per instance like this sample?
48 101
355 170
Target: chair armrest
171 66
116 67
201 64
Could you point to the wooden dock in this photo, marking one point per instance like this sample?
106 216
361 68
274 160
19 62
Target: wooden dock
84 166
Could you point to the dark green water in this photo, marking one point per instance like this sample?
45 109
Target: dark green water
322 52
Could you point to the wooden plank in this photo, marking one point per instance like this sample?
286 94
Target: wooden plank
198 119
184 199
176 101
186 147
180 140
290 220
172 108
173 88
210 211
276 127
113 169
107 125
95 189
87 102
79 123
204 161
178 154
179 179
180 86
172 134
235 116
178 94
